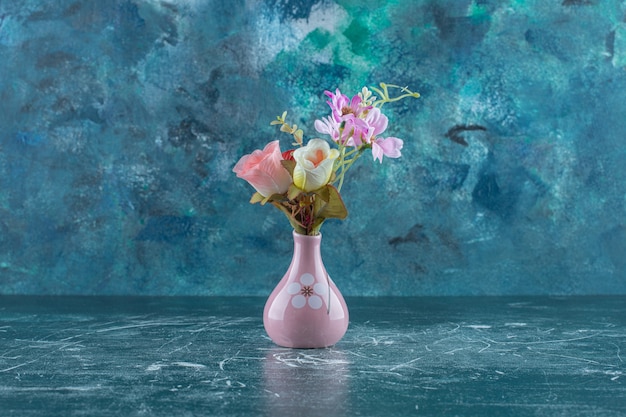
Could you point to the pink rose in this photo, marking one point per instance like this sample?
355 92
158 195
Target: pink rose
264 171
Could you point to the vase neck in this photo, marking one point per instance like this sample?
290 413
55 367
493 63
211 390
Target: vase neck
305 245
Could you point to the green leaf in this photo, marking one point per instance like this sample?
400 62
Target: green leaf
256 198
293 192
318 206
317 225
298 135
272 198
289 165
323 193
335 208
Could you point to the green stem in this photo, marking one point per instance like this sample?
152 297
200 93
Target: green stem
345 166
383 92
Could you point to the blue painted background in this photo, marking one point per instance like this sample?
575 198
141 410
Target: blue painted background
121 121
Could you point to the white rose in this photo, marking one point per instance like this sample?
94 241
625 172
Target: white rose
314 165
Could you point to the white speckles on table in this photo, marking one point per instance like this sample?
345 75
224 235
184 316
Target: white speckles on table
114 356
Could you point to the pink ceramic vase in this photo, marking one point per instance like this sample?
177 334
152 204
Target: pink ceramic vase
306 310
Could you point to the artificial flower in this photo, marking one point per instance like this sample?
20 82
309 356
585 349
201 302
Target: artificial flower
376 123
288 155
264 170
314 165
342 107
389 147
305 183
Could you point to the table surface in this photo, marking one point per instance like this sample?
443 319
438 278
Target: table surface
197 356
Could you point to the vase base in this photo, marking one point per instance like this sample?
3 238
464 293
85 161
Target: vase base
295 340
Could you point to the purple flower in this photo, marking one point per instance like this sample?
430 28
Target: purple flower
389 147
376 123
352 123
343 108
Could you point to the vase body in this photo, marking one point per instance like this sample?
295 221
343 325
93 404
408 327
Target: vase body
306 310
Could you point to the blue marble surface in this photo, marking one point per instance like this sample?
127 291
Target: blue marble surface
402 356
121 122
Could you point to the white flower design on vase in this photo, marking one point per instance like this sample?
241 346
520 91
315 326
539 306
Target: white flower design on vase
304 292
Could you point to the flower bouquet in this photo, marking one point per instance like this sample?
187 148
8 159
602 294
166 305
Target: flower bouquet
306 310
305 183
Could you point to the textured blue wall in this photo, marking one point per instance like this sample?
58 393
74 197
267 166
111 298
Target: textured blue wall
121 121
